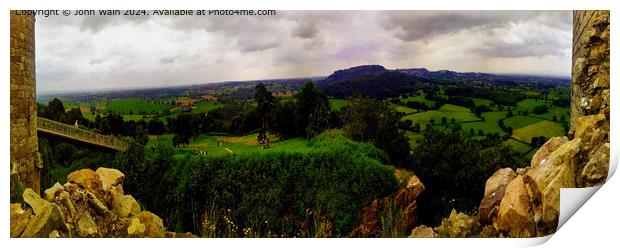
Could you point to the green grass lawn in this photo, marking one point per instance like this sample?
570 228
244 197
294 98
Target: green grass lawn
413 138
555 111
541 128
136 105
337 104
518 146
132 117
236 145
206 106
89 116
529 104
519 121
419 98
403 109
480 101
489 125
449 111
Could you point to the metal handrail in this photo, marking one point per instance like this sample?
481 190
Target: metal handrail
80 134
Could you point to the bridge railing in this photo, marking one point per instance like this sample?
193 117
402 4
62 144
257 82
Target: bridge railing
81 134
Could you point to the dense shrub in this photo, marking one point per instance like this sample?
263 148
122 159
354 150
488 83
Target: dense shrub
270 192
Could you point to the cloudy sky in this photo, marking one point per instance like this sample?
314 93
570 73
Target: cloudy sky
97 52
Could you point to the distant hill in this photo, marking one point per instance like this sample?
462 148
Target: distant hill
378 82
370 80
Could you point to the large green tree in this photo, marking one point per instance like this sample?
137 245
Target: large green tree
265 105
372 120
312 110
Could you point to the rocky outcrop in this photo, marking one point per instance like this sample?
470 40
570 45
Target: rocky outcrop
527 203
493 193
401 207
515 215
457 225
422 232
91 204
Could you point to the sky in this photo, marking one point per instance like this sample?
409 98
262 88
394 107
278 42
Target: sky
78 53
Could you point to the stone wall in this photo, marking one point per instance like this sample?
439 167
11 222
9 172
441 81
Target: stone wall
590 72
25 158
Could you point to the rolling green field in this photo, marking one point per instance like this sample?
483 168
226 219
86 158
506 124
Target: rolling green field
403 109
529 104
518 146
555 111
413 137
449 111
91 117
337 104
134 105
232 145
542 128
480 101
519 121
489 125
419 98
206 106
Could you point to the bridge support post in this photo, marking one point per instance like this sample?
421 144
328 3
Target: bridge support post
25 157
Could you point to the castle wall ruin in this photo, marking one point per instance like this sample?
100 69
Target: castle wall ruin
590 72
25 158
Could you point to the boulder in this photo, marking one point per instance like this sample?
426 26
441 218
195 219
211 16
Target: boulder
515 215
94 202
596 168
86 226
86 178
146 224
493 193
49 219
54 234
544 151
125 206
544 183
405 196
34 201
19 219
488 232
65 201
109 177
422 232
457 225
52 192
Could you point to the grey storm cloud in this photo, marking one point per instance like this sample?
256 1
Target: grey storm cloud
414 25
95 52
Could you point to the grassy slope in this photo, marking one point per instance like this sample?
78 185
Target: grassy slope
480 101
555 111
520 121
489 125
449 111
518 146
419 98
136 105
206 106
529 104
238 145
542 128
403 109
